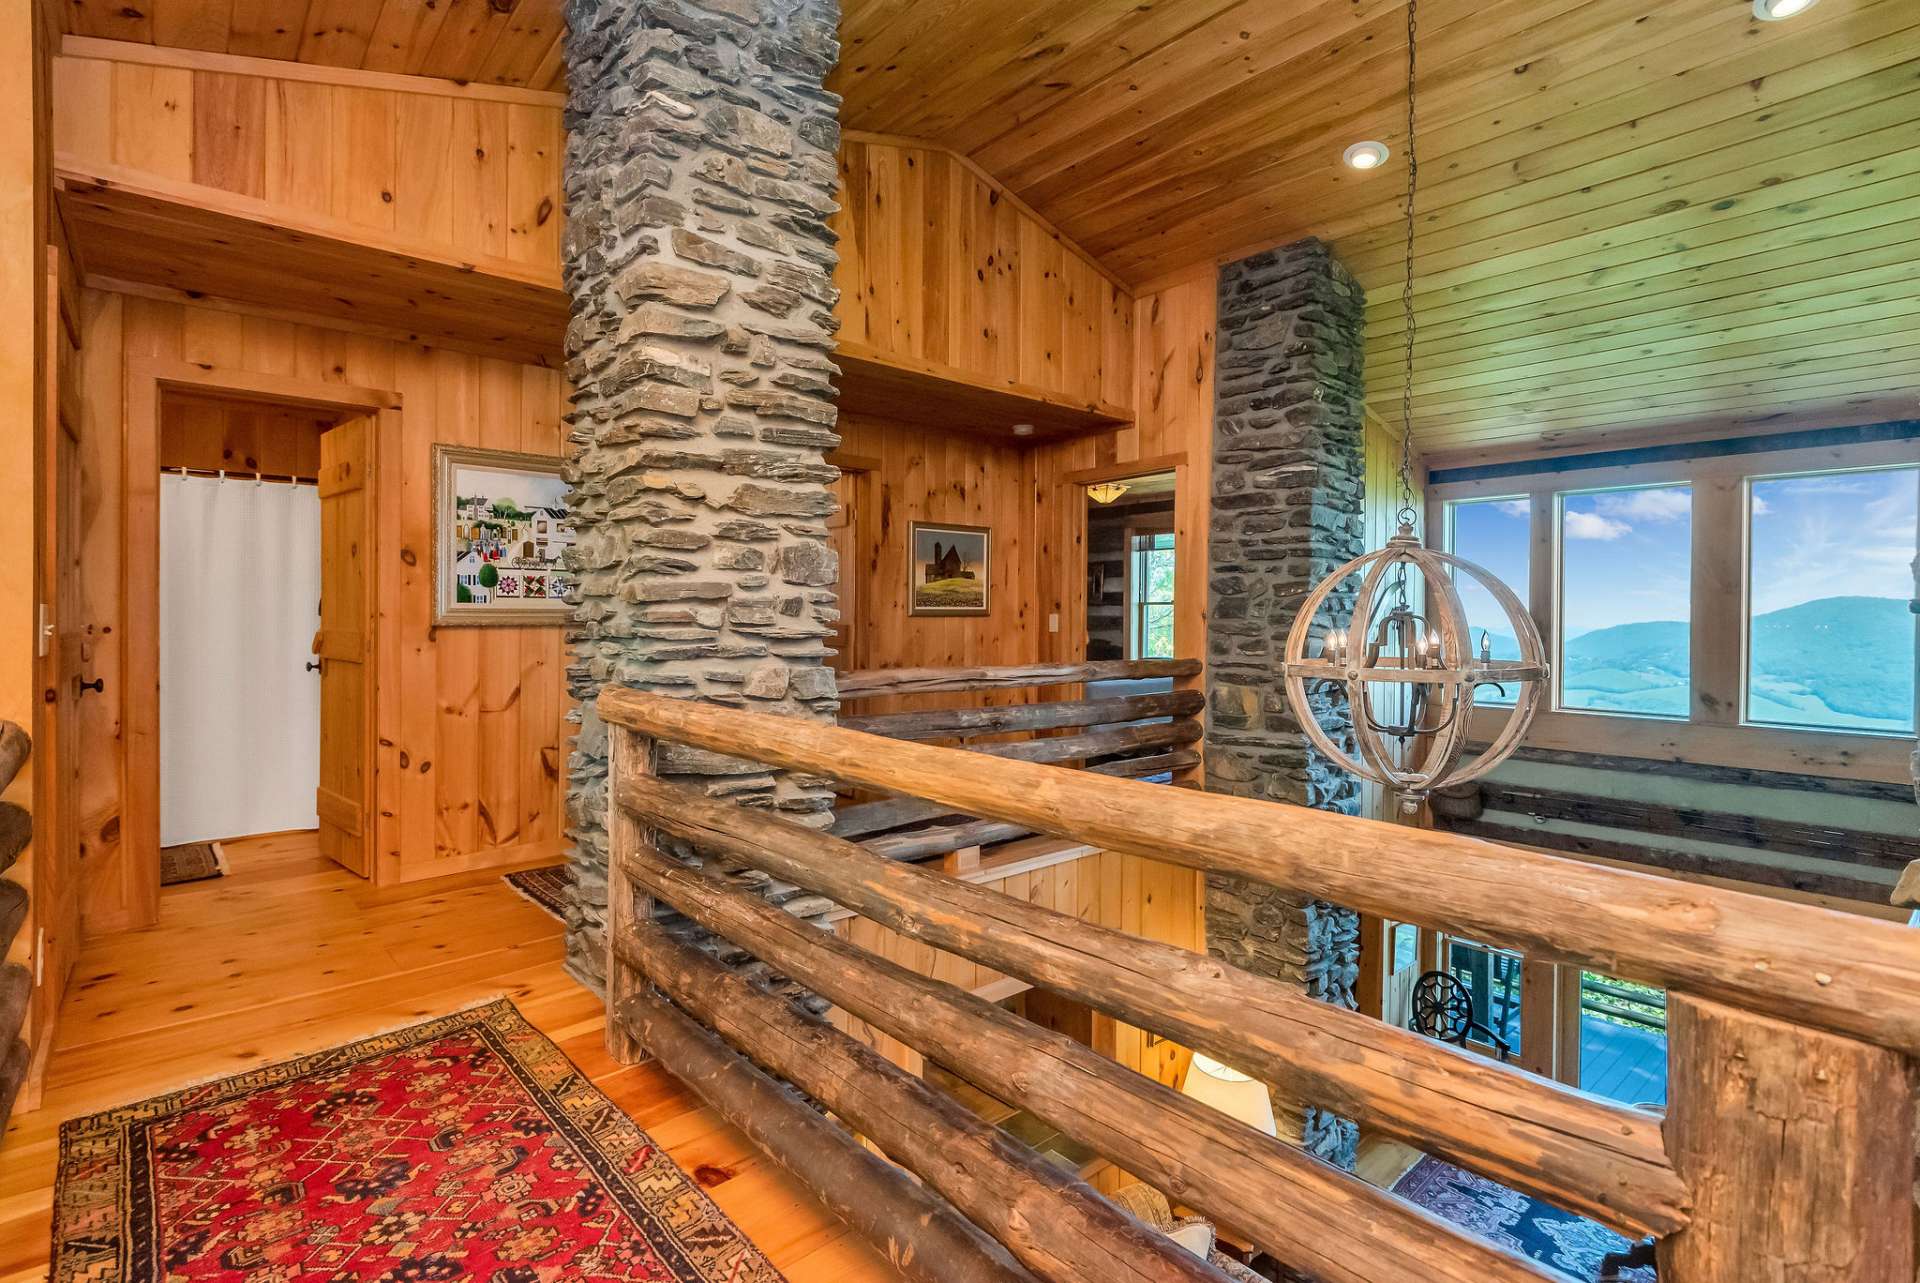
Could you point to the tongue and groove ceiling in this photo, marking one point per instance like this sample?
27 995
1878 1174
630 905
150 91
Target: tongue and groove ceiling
1636 215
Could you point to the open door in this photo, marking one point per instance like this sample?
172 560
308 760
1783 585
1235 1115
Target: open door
343 646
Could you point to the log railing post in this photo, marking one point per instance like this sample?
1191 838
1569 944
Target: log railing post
1798 1147
629 753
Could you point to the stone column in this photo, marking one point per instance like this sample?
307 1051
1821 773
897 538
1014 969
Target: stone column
700 172
1287 493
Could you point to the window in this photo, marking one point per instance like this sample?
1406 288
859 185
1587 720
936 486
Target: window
1830 640
1150 594
1626 570
1495 534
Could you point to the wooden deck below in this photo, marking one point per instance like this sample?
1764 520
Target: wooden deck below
289 954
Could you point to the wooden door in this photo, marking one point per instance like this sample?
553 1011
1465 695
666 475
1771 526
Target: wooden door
344 644
65 662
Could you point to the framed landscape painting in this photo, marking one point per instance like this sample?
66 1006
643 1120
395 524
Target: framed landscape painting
948 570
500 537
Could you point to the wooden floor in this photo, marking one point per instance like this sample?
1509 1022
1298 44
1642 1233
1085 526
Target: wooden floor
289 954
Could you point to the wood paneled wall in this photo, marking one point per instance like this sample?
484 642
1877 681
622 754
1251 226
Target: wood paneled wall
471 735
938 262
470 168
930 475
214 434
1173 339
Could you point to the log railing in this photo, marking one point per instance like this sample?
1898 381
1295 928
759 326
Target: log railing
1786 1153
1145 736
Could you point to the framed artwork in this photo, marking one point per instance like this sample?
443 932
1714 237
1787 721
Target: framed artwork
948 569
500 536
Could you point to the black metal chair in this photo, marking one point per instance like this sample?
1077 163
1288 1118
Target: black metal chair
1443 1010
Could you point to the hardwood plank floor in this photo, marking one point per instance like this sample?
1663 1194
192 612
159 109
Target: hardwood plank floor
290 954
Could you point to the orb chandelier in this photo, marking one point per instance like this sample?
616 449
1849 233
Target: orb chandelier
1404 663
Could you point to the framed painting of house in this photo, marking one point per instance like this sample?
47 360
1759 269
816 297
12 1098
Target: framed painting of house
948 570
500 536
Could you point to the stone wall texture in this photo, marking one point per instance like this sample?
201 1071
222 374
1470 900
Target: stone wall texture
1287 510
700 173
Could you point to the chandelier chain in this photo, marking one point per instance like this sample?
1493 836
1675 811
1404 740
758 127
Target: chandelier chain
1407 514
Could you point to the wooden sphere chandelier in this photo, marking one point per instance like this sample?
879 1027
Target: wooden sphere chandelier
1404 662
1407 668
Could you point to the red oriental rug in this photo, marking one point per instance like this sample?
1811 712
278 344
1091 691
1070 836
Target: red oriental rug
465 1148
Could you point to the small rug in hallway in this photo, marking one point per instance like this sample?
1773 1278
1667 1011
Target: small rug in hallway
191 862
550 887
1571 1244
465 1148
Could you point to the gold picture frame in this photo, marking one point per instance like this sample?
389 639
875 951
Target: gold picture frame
500 535
949 569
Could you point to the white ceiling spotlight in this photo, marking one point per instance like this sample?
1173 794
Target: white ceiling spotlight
1369 155
1780 10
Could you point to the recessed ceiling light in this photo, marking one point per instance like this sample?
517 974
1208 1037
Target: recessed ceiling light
1776 10
1371 155
1023 429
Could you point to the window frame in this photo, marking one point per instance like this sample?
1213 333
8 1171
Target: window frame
1715 731
1155 525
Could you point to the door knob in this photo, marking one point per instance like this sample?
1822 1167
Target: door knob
98 684
313 666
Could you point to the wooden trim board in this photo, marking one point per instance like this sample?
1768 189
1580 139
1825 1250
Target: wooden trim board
139 233
313 73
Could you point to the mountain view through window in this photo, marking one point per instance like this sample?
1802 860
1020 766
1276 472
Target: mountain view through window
1494 534
1626 600
1831 640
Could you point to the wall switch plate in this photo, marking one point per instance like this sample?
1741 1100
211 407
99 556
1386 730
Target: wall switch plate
44 634
1053 622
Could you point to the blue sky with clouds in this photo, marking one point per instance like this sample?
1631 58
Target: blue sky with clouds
1628 552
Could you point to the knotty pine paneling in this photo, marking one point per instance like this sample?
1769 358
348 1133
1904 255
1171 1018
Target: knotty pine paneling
928 475
471 721
937 263
481 177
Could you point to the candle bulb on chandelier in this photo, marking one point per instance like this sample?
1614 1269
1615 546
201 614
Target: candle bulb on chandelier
1486 647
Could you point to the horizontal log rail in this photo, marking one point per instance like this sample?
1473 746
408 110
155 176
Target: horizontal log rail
1791 1027
1055 1224
942 723
874 682
1333 1226
1794 961
1535 1135
924 1237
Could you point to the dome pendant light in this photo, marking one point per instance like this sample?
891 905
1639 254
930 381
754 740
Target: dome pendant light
1404 662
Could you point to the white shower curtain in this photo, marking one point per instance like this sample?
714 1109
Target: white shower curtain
239 605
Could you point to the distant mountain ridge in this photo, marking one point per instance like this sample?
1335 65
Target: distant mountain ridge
1837 661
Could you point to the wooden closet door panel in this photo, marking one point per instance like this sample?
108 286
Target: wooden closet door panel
344 645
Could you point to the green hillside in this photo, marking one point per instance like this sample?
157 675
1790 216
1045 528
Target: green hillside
1839 661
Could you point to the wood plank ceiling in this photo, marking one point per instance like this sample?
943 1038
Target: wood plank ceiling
1637 215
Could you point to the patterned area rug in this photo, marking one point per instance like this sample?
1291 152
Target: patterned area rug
465 1148
549 887
191 862
1571 1244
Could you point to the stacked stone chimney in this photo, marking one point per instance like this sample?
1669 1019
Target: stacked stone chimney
701 149
1288 474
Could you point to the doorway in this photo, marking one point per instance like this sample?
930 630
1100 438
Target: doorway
1132 570
250 626
240 559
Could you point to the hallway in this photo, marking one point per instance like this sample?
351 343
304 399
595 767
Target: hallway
290 954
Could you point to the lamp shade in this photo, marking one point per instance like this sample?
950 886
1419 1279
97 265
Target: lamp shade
1231 1092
